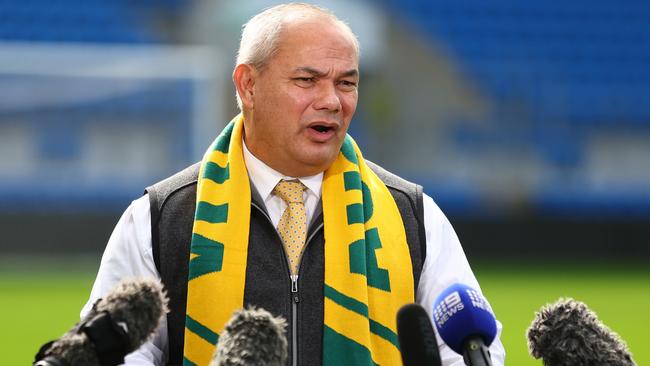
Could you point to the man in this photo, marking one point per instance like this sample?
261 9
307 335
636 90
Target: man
283 213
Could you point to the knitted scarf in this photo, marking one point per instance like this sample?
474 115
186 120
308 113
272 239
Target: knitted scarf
368 273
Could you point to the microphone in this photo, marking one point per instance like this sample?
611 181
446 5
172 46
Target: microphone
466 323
116 326
568 333
417 339
252 337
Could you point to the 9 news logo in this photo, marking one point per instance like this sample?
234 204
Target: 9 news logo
453 303
478 301
449 306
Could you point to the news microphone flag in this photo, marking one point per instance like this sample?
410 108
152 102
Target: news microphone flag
465 322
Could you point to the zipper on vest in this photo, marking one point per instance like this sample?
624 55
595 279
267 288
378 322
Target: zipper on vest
294 296
295 299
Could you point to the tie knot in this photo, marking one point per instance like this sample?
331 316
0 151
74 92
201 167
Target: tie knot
290 191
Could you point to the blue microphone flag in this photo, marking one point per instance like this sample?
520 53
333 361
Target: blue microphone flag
461 312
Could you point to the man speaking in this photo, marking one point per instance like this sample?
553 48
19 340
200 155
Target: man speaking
283 213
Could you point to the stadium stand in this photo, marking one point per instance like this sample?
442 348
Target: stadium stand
557 75
99 21
566 84
61 118
576 69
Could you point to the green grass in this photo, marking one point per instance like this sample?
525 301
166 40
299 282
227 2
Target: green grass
618 293
40 300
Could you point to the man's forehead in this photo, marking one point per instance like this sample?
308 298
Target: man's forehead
316 31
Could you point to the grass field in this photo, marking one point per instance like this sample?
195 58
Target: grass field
40 300
618 293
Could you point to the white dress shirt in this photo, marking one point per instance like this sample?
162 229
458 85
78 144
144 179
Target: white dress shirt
129 254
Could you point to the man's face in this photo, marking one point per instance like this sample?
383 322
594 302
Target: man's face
303 99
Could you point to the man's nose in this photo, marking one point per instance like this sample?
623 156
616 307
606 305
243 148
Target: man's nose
327 98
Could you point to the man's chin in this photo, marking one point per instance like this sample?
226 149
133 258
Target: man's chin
320 162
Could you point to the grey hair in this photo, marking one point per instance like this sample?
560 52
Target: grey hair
260 36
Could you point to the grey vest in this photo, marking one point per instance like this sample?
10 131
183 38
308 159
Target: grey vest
268 284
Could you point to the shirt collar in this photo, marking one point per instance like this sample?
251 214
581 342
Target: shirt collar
265 178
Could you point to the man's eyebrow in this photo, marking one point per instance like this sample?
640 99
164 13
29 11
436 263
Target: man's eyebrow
352 72
311 71
318 73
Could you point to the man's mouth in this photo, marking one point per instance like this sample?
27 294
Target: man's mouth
322 131
321 128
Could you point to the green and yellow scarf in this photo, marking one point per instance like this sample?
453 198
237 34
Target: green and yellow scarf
368 273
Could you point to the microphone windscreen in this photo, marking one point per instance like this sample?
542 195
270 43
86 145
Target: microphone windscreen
567 333
138 305
252 337
417 339
116 325
72 349
461 312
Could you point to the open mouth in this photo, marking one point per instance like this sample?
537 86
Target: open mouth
321 128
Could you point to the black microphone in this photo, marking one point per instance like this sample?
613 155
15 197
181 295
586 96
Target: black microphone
567 333
252 337
417 339
116 326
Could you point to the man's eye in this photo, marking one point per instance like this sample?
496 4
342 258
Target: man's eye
348 84
304 80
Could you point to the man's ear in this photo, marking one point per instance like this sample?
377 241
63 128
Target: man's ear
244 79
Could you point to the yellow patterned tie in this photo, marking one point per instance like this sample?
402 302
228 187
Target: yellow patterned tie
293 223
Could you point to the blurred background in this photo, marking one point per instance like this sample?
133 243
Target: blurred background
527 122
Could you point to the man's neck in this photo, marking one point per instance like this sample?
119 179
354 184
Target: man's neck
264 178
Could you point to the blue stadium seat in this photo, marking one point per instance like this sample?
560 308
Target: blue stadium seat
100 21
579 67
